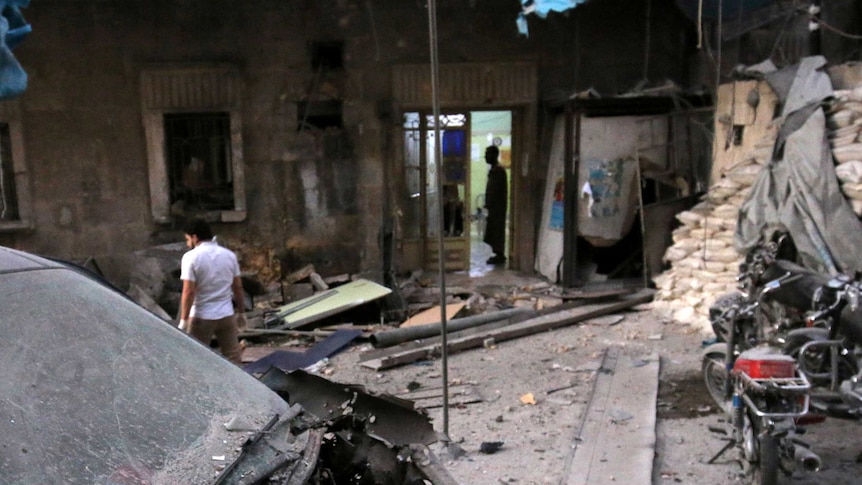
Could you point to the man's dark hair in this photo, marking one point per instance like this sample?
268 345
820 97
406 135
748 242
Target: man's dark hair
493 150
199 228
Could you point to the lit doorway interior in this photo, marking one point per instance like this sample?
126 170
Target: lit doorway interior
464 174
487 128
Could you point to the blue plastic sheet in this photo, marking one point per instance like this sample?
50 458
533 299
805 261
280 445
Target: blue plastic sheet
542 8
13 30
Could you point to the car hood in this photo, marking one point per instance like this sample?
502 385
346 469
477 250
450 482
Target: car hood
97 390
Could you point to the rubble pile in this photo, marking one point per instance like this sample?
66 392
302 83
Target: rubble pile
844 122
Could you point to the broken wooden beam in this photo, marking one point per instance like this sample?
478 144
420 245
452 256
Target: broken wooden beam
299 274
528 327
396 336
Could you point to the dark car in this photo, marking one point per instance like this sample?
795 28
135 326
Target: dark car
97 390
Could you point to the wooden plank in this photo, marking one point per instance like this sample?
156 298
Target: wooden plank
528 327
432 315
299 274
616 440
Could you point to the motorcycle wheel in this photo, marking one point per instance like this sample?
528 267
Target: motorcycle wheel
767 469
715 373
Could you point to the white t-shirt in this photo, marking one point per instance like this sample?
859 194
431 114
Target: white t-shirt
213 269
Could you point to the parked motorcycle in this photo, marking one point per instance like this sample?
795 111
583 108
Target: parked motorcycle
774 299
829 350
763 393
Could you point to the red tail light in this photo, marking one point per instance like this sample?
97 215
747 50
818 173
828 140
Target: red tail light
764 368
810 419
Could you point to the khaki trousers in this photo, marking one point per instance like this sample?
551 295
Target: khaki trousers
225 332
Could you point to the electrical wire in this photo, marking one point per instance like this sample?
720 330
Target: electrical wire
647 39
832 29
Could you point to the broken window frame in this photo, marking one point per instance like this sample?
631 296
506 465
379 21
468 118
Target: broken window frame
14 176
200 170
172 90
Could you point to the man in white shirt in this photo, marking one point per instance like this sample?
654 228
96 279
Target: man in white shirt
211 286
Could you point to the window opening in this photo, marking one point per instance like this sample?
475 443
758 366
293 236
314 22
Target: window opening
199 161
8 193
327 55
319 114
738 130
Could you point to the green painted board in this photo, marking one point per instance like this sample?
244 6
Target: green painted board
330 302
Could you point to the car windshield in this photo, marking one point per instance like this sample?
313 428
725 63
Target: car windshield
97 390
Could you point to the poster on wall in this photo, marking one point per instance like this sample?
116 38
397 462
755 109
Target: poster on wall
557 209
608 192
603 188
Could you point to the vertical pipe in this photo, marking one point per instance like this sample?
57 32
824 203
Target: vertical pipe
441 255
570 231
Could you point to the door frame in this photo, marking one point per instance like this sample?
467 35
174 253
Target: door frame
467 87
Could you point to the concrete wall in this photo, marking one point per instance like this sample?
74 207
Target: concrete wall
87 157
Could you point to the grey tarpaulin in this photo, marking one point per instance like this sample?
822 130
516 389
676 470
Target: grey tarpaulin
798 189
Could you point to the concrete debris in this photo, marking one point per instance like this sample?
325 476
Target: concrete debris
489 447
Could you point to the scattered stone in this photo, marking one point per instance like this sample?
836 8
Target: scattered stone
490 447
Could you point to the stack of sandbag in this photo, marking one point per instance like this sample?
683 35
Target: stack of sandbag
704 263
844 122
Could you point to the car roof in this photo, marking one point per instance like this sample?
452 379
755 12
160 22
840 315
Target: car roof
12 260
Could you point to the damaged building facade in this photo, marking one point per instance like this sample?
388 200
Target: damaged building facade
301 128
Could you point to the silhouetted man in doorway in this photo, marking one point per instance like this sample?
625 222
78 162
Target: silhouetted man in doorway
496 200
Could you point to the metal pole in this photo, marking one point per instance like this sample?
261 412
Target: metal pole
441 255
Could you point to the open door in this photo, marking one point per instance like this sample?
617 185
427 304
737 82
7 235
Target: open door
464 135
421 217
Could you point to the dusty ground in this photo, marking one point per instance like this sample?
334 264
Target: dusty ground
489 404
557 367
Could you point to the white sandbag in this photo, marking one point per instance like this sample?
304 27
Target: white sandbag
849 172
848 153
713 244
844 140
852 191
724 183
842 132
715 266
841 118
731 268
744 175
689 244
725 255
692 299
684 315
704 274
690 218
726 211
682 272
675 254
690 263
718 224
681 236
